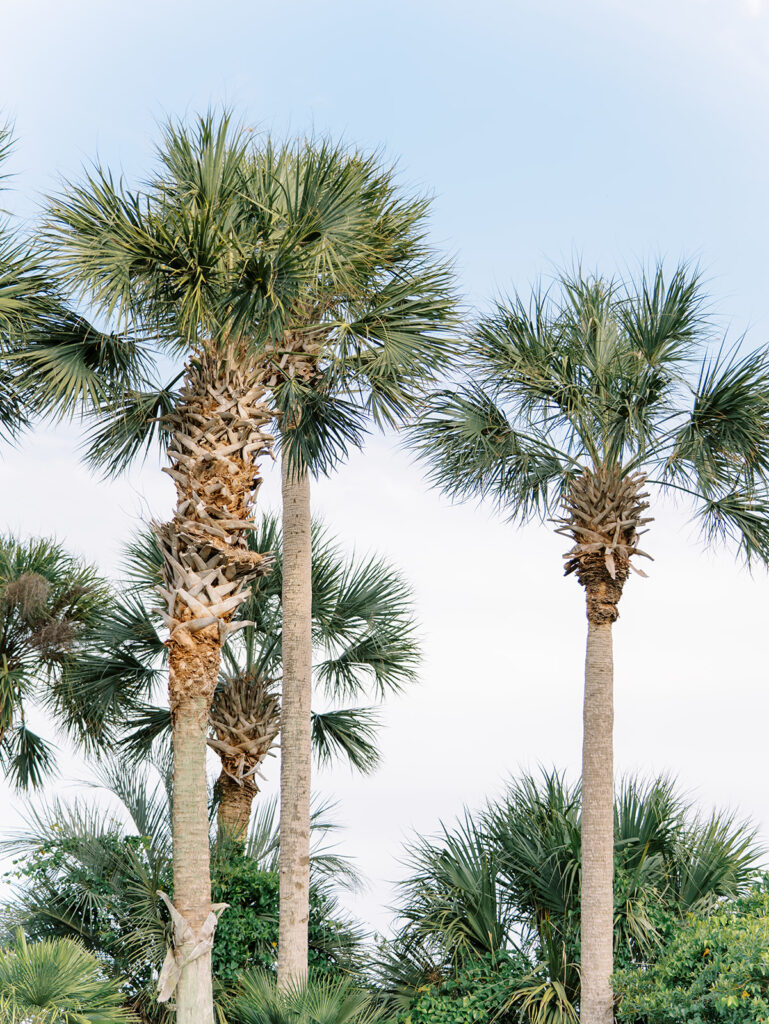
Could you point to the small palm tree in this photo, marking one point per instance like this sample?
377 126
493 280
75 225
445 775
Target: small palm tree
316 1001
580 405
363 640
50 604
56 981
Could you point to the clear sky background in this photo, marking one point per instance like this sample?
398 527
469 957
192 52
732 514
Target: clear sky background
617 132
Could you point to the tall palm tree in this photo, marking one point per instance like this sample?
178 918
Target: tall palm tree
361 341
580 404
197 265
50 605
301 269
363 641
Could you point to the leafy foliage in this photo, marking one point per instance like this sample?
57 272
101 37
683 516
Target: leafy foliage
90 875
712 970
604 374
318 1001
508 879
50 605
480 990
56 981
247 935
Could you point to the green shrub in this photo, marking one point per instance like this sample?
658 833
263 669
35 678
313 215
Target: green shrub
479 991
247 933
713 970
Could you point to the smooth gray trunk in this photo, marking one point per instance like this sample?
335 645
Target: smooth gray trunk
597 906
295 733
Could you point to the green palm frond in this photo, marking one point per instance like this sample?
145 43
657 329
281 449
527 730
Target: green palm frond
258 1000
348 733
57 981
604 376
52 605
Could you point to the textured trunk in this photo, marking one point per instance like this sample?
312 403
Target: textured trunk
295 743
192 881
598 826
216 439
235 802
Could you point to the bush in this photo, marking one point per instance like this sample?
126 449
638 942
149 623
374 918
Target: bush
480 990
247 933
713 970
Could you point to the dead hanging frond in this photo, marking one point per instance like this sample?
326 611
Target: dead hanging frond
218 437
245 717
29 593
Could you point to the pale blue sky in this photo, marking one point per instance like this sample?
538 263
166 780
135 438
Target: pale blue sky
619 131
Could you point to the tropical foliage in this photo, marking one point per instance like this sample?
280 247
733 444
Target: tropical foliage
506 883
712 970
93 874
50 606
315 1001
56 981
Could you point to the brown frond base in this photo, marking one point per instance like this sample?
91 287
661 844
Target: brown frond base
218 437
603 515
602 590
245 718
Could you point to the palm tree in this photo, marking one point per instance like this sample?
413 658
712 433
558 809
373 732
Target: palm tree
56 981
50 605
508 877
361 340
296 268
580 404
363 641
194 265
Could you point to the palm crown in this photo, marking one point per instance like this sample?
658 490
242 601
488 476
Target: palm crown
363 635
50 603
308 254
596 393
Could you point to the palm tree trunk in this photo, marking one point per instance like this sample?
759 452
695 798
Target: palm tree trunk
217 437
597 903
192 879
235 800
295 742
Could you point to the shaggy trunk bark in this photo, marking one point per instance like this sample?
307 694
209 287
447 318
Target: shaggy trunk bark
234 814
295 742
597 905
216 440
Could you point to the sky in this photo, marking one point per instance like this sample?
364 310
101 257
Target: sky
613 133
